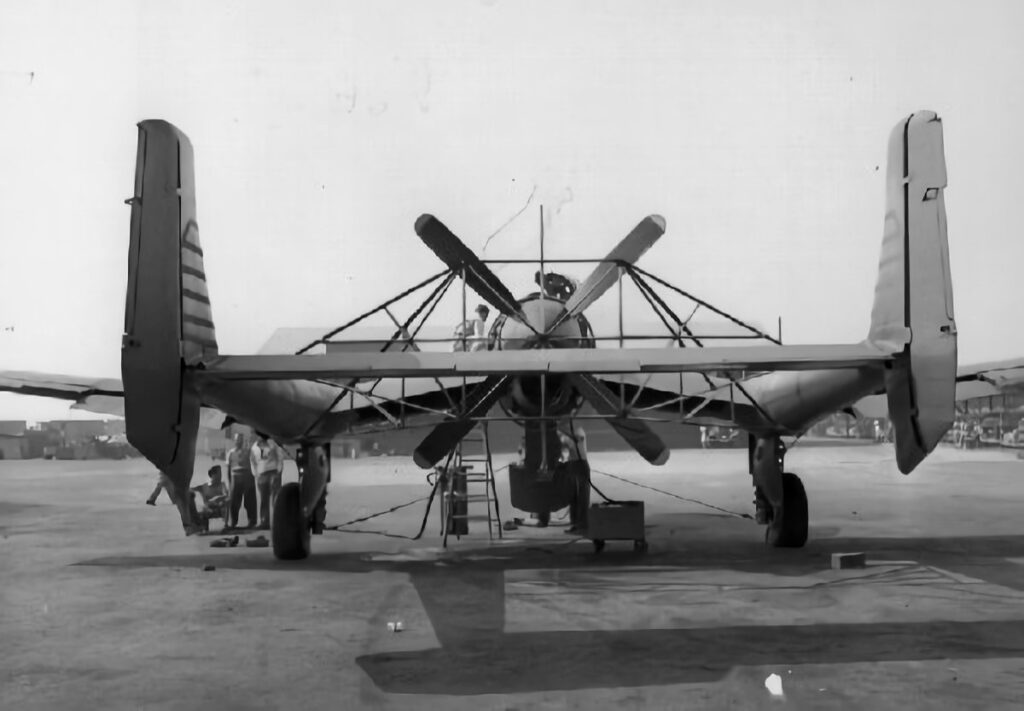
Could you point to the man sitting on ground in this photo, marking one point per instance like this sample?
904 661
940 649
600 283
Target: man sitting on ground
213 498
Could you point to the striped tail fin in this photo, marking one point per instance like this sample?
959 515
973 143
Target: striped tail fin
198 336
168 321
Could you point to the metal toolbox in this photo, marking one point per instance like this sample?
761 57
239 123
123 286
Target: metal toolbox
621 520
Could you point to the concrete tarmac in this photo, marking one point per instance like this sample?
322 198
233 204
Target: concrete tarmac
103 601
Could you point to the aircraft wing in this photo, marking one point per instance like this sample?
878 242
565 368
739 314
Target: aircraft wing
536 362
1000 374
102 395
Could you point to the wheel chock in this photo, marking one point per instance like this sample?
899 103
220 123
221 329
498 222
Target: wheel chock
842 561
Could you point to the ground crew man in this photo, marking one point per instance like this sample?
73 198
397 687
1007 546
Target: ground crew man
577 468
474 331
243 485
267 464
163 483
212 496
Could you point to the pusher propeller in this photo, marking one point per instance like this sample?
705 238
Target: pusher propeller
451 250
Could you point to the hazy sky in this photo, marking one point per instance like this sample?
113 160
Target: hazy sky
322 130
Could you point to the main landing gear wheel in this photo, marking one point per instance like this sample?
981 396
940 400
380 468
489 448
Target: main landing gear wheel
791 531
290 532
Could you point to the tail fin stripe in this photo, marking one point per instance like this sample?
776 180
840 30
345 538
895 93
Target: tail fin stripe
191 259
195 296
194 285
197 321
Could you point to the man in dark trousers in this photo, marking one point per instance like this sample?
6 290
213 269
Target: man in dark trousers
577 468
243 484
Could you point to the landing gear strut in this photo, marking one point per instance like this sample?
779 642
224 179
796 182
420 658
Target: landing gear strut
780 497
301 506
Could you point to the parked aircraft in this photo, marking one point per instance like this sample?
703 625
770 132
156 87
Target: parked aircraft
543 363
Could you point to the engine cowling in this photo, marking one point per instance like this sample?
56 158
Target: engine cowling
552 395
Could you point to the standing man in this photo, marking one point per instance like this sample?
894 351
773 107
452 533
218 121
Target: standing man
480 329
243 485
578 469
473 330
267 463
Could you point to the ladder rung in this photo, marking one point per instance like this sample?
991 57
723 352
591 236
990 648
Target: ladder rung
472 497
471 517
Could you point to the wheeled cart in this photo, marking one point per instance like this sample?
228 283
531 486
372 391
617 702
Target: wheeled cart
617 521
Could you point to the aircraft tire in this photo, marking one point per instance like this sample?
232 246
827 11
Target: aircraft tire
791 532
290 532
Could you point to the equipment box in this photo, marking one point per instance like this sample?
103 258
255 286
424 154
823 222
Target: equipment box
622 520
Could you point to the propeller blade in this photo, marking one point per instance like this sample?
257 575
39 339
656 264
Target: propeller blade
636 432
454 253
606 273
446 435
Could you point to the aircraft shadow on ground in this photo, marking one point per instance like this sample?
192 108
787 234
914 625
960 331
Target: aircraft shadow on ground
464 596
549 661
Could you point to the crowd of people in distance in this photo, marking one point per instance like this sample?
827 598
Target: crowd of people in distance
966 433
253 476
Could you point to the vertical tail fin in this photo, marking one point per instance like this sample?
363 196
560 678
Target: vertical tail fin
168 322
913 309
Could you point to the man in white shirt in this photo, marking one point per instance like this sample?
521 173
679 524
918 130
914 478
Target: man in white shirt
267 463
474 330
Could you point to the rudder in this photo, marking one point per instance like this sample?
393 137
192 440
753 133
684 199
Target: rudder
168 321
913 309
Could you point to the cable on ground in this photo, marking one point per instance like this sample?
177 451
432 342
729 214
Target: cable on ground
667 493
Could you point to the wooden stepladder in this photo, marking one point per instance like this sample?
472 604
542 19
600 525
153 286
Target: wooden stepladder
470 479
